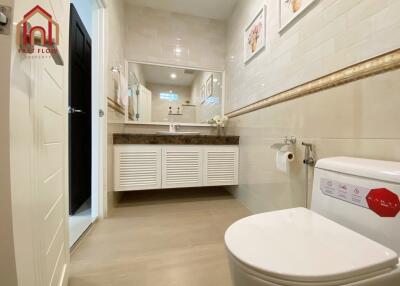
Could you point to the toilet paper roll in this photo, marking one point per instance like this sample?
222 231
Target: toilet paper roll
283 158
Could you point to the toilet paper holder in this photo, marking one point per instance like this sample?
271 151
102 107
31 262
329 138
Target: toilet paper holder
286 142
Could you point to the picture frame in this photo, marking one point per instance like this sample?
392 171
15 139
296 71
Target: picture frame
255 35
289 10
209 86
202 94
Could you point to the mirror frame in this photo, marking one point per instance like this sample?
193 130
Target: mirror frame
127 121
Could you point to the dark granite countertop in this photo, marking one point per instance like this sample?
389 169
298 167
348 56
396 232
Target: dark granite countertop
120 138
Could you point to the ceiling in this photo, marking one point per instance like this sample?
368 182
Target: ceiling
162 75
213 9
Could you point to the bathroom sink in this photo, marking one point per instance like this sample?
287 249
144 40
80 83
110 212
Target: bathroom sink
178 133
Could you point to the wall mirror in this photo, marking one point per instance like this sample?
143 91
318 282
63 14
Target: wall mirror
163 94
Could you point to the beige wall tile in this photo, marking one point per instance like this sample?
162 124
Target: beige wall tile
115 56
153 36
359 119
330 36
115 41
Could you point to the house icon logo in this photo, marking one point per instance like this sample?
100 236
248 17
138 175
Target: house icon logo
45 35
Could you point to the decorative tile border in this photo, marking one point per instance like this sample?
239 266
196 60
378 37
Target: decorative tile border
117 107
380 64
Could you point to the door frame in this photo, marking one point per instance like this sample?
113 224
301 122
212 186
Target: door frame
8 269
99 124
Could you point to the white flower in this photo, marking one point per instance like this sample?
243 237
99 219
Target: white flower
217 118
219 121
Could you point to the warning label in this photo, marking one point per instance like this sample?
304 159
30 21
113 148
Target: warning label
380 200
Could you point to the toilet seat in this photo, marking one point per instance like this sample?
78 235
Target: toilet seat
298 246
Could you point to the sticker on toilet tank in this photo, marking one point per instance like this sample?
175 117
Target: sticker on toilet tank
345 192
380 200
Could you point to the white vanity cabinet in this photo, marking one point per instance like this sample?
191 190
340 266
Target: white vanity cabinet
142 167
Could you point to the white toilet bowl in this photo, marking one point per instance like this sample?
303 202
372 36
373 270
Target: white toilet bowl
345 239
299 247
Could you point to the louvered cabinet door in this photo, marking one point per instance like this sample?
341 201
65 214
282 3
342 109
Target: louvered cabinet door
221 166
137 167
182 167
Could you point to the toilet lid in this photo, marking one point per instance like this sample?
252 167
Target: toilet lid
300 245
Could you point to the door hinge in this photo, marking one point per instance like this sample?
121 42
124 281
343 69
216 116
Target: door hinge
5 19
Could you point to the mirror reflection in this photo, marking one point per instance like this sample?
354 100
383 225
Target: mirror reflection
162 94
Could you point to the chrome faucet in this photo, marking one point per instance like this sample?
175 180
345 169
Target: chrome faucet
308 158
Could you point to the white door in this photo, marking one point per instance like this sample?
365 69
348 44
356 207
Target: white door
144 104
50 163
38 122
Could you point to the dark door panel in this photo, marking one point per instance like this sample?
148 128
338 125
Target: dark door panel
80 113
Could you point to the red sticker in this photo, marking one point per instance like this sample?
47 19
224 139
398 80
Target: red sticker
383 202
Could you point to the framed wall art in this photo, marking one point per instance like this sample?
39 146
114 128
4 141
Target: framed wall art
254 35
291 9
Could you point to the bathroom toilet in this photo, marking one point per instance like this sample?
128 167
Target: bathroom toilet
351 235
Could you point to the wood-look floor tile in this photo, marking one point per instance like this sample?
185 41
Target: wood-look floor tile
166 238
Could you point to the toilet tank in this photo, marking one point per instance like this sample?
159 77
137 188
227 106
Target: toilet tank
360 194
